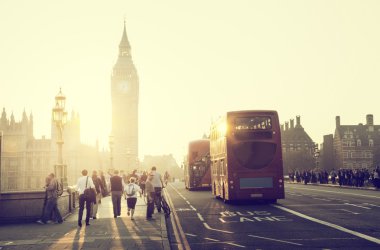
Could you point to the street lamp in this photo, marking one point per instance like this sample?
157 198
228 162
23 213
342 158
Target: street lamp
111 143
59 118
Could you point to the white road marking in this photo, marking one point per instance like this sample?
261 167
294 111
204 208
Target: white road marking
210 228
283 241
321 199
372 205
313 205
348 211
357 205
211 239
188 202
340 228
192 235
193 208
200 217
324 239
289 193
340 192
233 244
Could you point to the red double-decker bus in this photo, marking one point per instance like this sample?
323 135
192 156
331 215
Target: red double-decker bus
246 156
197 165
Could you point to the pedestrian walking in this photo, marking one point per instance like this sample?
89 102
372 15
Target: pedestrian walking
150 194
166 177
157 184
104 184
98 188
131 191
51 206
84 182
116 193
142 181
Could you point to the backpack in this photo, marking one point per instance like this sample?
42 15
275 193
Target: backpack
59 188
130 192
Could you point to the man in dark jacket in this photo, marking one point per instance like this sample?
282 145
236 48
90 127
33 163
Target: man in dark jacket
117 188
51 202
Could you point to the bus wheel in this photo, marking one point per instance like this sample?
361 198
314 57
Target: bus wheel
272 201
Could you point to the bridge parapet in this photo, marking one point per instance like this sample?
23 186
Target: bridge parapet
21 207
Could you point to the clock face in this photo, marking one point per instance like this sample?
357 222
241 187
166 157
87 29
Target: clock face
124 86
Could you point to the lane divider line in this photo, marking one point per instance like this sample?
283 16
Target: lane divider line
193 208
192 235
211 239
210 228
283 241
340 228
177 225
348 211
357 205
200 217
369 204
234 244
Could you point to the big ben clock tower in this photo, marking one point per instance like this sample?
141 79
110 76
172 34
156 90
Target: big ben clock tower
125 100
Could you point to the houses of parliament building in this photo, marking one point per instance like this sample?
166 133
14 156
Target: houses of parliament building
26 161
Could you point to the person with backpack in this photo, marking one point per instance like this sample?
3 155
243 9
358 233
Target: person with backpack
52 188
131 190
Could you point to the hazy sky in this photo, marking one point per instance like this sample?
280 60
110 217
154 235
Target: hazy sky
195 60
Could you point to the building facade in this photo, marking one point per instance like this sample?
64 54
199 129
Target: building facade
26 161
125 100
357 146
297 147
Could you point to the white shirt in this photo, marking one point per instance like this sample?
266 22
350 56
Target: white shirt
129 187
81 184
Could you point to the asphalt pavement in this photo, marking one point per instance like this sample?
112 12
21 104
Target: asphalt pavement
311 217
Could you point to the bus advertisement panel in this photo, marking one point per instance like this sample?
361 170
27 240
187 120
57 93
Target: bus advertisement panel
197 165
246 156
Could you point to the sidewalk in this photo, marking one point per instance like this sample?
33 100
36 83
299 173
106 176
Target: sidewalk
105 232
334 185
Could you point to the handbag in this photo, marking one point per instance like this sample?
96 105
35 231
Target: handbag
89 194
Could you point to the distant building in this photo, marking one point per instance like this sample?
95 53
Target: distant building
357 146
163 163
26 161
327 153
297 147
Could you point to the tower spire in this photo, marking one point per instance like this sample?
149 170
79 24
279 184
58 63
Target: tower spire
124 43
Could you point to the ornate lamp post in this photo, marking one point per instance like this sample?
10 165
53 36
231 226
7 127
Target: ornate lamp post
59 117
111 144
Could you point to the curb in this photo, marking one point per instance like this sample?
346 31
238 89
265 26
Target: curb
164 233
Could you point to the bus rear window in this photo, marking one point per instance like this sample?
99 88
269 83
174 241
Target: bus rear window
253 123
254 155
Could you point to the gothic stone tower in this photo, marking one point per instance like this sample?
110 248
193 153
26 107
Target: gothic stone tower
125 99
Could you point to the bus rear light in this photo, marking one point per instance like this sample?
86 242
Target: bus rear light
280 180
280 186
232 187
232 182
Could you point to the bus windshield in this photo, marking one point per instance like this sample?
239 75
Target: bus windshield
253 123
